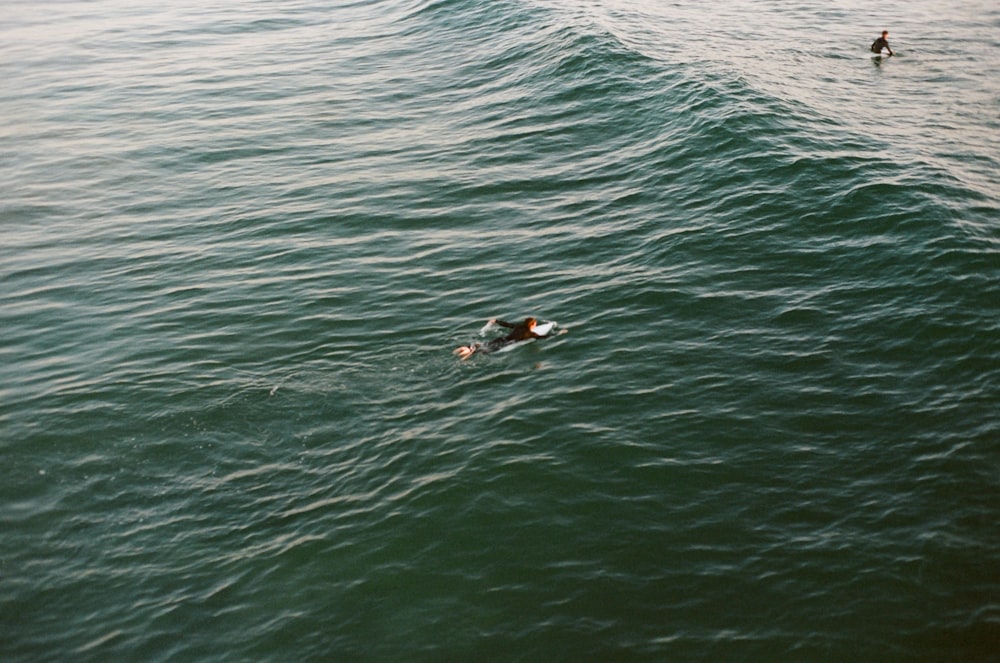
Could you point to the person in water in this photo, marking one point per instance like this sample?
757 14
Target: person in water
520 331
881 43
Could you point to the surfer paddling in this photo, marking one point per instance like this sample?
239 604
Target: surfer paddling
520 331
881 42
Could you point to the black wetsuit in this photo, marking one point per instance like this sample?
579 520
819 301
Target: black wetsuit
879 44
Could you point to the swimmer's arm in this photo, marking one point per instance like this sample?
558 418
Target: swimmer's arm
502 323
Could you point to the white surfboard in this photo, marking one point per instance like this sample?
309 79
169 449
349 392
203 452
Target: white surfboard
542 328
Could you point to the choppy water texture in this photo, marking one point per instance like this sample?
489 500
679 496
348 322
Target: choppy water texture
240 240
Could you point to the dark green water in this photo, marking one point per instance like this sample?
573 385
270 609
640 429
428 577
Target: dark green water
241 239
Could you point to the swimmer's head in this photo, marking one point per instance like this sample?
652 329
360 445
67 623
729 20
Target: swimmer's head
530 323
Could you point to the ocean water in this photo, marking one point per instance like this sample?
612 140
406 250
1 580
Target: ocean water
241 238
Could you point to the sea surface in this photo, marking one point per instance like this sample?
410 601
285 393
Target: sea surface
239 240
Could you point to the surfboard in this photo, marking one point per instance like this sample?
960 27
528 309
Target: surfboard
542 329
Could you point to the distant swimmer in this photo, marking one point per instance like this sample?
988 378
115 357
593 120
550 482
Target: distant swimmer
881 42
521 331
